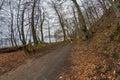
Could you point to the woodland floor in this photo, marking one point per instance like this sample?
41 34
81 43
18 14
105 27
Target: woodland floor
41 68
98 58
12 60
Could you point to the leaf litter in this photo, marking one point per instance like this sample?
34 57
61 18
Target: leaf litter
97 59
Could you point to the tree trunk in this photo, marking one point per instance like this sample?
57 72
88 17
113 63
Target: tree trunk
116 10
60 20
13 40
82 24
49 32
22 28
18 26
32 24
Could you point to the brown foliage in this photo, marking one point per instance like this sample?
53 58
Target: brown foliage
11 60
97 59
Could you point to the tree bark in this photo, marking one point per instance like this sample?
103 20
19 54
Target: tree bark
32 23
116 10
60 20
82 24
22 28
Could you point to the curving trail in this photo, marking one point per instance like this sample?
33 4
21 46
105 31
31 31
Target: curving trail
42 68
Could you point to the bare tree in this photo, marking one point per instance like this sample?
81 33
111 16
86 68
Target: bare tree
18 14
116 10
60 17
82 24
76 21
1 4
41 21
13 40
33 23
22 27
49 32
102 2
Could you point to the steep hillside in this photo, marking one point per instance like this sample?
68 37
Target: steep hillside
98 58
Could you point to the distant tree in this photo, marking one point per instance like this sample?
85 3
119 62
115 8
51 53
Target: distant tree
60 17
116 10
89 13
58 35
49 32
35 40
1 4
17 20
22 26
41 21
103 5
12 34
75 21
94 9
82 24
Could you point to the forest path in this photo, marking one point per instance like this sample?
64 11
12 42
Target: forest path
42 68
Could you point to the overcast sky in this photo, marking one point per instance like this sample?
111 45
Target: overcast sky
5 17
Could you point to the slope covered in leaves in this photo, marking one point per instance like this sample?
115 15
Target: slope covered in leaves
98 58
11 60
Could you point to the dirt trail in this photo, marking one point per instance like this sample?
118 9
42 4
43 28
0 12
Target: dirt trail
43 68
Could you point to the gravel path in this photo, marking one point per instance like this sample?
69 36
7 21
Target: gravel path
43 68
